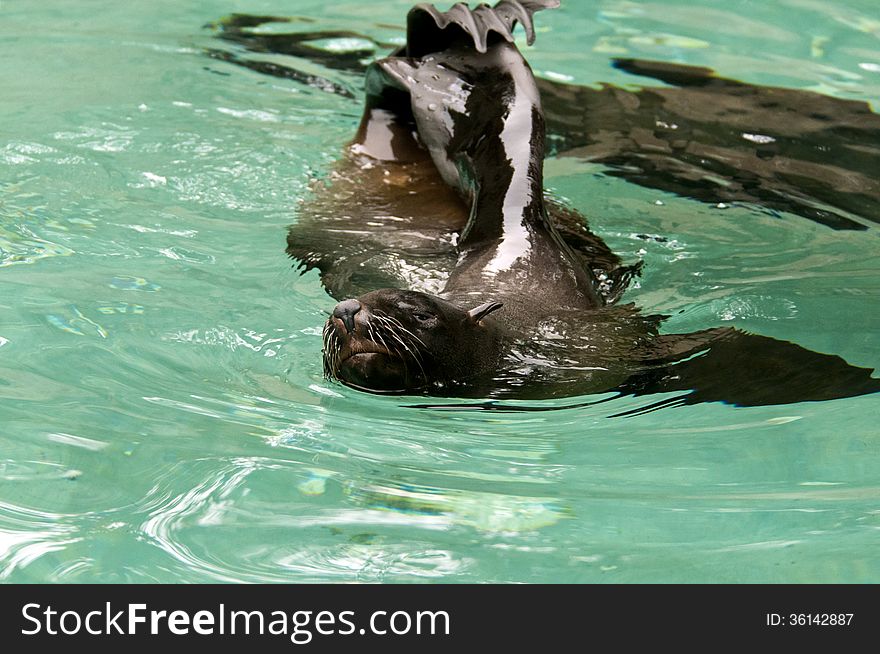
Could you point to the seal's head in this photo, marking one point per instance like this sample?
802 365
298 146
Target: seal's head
394 341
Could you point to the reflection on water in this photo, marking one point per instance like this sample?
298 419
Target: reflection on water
28 535
164 413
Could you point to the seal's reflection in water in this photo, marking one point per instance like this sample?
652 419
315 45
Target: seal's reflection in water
441 193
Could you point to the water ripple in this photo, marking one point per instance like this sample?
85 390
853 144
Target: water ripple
222 506
27 535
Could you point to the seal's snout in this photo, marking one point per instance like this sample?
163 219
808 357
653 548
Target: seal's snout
345 311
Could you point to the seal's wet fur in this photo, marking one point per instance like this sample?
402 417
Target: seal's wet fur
446 176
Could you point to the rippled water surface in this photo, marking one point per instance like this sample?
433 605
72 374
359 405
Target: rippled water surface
163 415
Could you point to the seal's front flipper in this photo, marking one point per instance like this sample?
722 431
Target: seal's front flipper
727 365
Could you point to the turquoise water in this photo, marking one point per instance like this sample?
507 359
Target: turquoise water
164 416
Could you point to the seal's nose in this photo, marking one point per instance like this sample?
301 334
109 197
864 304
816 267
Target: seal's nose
345 311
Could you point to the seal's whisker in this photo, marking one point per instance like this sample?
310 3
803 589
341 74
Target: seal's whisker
384 344
396 324
399 326
411 348
385 326
392 327
413 351
330 341
334 353
415 356
376 337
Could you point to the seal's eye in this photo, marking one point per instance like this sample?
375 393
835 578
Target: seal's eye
422 317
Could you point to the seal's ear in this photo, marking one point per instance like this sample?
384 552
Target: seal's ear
478 313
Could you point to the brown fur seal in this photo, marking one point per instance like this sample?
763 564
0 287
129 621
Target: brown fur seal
508 295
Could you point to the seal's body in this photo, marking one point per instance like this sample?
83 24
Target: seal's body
441 194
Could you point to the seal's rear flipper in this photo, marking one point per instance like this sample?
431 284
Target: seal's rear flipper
408 79
727 365
429 30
